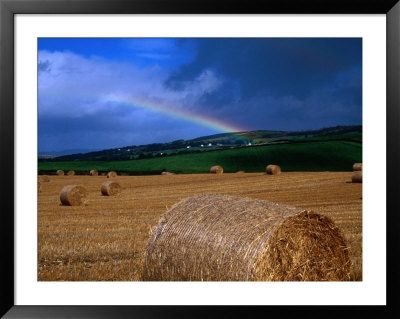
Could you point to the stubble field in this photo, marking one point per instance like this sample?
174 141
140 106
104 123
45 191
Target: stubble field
106 239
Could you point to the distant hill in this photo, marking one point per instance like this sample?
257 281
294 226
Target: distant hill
64 152
329 155
215 142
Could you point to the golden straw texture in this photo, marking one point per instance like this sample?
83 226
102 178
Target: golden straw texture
60 172
110 188
93 172
216 169
226 238
357 177
111 174
73 195
71 173
273 170
44 178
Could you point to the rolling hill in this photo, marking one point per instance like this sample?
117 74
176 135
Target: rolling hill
214 142
334 149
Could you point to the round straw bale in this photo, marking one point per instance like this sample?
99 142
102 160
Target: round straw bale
93 172
239 172
110 188
357 177
60 172
73 195
167 173
273 170
216 169
357 167
71 173
111 174
226 238
44 178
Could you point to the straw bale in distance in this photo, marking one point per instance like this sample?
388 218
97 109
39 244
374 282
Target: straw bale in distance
73 195
110 188
167 173
239 172
111 174
357 177
44 178
273 170
357 167
60 172
71 173
93 172
216 169
227 238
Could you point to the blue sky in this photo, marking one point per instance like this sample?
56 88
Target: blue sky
113 92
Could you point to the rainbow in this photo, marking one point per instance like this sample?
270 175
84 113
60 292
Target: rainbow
175 112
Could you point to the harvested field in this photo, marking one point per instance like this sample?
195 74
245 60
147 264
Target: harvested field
107 238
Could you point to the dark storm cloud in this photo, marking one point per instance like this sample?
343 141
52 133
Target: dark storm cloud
275 66
280 83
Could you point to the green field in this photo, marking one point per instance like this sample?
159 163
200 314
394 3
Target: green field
307 156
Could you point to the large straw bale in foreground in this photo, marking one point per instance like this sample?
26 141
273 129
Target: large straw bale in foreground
71 173
111 174
226 238
73 195
357 177
110 188
273 170
357 167
60 172
216 169
93 172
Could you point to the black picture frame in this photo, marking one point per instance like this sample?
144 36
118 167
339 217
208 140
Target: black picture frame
8 8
